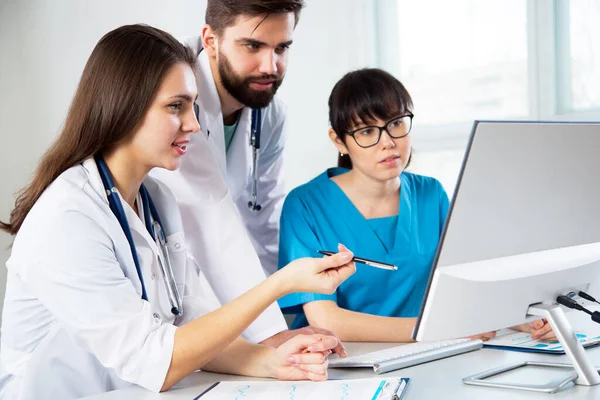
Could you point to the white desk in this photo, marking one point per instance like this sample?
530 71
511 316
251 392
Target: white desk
440 379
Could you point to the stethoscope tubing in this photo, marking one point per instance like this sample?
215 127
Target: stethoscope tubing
117 209
255 131
154 229
255 144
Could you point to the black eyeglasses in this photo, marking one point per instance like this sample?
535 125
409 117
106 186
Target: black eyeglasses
369 136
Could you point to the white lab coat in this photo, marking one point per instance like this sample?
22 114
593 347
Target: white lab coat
212 192
236 164
74 323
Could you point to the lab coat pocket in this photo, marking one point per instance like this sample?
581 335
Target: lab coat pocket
178 255
199 298
176 243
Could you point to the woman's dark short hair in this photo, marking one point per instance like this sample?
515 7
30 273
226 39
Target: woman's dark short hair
363 96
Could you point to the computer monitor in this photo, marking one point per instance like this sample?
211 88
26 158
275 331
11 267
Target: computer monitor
523 227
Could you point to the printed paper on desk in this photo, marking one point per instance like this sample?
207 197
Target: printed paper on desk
351 389
508 339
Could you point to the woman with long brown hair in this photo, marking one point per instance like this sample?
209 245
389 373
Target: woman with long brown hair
100 291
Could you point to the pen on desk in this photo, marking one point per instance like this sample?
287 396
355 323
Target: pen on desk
366 261
399 388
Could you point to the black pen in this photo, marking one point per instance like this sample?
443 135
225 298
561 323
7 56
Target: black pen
366 261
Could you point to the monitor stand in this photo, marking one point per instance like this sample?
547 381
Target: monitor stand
585 373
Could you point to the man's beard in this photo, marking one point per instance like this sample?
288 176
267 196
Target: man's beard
239 88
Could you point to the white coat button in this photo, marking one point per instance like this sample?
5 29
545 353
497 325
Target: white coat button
177 246
153 277
156 317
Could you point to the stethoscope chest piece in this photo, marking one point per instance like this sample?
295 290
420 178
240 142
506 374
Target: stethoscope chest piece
255 145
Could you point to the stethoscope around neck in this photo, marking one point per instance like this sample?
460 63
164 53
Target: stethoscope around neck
254 144
155 229
255 129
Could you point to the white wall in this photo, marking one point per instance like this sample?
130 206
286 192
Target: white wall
332 38
44 45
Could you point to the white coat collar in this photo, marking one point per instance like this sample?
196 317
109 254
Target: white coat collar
94 178
210 116
135 223
234 168
208 94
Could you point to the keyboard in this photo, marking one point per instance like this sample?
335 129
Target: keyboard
407 355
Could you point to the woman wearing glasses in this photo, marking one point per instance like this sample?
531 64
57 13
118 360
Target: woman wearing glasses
371 204
375 207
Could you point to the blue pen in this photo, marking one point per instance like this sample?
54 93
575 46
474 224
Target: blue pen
399 388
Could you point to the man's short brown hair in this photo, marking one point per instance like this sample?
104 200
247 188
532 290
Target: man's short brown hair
221 14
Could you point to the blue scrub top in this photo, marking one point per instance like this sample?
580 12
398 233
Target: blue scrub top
318 216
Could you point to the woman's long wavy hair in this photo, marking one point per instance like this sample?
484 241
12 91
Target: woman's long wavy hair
117 86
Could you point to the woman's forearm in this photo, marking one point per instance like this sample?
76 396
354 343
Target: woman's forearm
352 326
243 358
199 341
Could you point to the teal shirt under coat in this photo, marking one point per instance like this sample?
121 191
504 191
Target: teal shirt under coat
318 215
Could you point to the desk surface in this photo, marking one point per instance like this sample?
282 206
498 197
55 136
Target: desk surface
441 379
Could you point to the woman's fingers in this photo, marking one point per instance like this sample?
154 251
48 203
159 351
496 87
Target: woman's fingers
484 336
345 271
340 349
548 336
315 377
535 325
539 334
331 271
308 358
334 261
318 369
310 343
342 248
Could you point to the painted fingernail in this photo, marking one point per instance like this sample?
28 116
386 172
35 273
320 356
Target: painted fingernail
539 324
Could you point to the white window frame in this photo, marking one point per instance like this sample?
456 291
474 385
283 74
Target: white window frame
548 72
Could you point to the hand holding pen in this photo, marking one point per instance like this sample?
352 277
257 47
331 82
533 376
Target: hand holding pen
365 261
320 275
